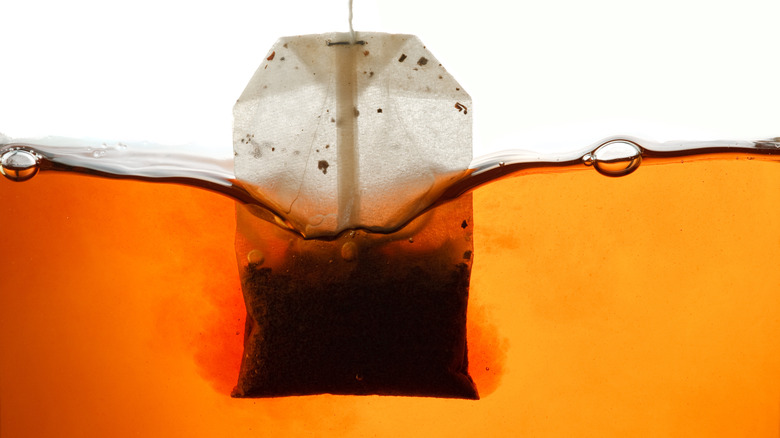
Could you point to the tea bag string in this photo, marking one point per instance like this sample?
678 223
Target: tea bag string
351 30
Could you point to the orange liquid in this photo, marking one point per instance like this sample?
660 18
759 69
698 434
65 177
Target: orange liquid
647 305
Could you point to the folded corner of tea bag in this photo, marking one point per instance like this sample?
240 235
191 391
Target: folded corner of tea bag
337 135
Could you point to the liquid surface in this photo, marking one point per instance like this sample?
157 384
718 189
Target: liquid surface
21 159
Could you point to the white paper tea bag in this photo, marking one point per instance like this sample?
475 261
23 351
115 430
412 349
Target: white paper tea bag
337 135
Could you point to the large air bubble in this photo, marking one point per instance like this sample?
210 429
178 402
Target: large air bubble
19 164
615 158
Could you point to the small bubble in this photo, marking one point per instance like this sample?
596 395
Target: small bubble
98 153
616 158
411 240
19 165
587 159
255 256
358 377
349 251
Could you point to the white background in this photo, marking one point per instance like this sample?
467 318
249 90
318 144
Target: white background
542 75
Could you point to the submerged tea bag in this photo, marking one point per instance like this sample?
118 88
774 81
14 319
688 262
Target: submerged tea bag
365 313
335 135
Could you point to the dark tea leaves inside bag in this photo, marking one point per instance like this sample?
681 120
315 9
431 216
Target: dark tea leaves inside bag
362 314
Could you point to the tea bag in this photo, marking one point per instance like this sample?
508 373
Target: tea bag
335 135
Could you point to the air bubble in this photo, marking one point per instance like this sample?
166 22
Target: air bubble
98 153
587 159
19 165
615 158
255 256
349 251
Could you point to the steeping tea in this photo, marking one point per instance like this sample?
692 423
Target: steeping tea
333 134
634 306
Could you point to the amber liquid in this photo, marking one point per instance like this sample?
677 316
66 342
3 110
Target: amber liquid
647 305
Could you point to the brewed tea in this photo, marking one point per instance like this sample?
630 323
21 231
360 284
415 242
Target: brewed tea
640 304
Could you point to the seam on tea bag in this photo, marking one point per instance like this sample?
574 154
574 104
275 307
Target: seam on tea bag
347 149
